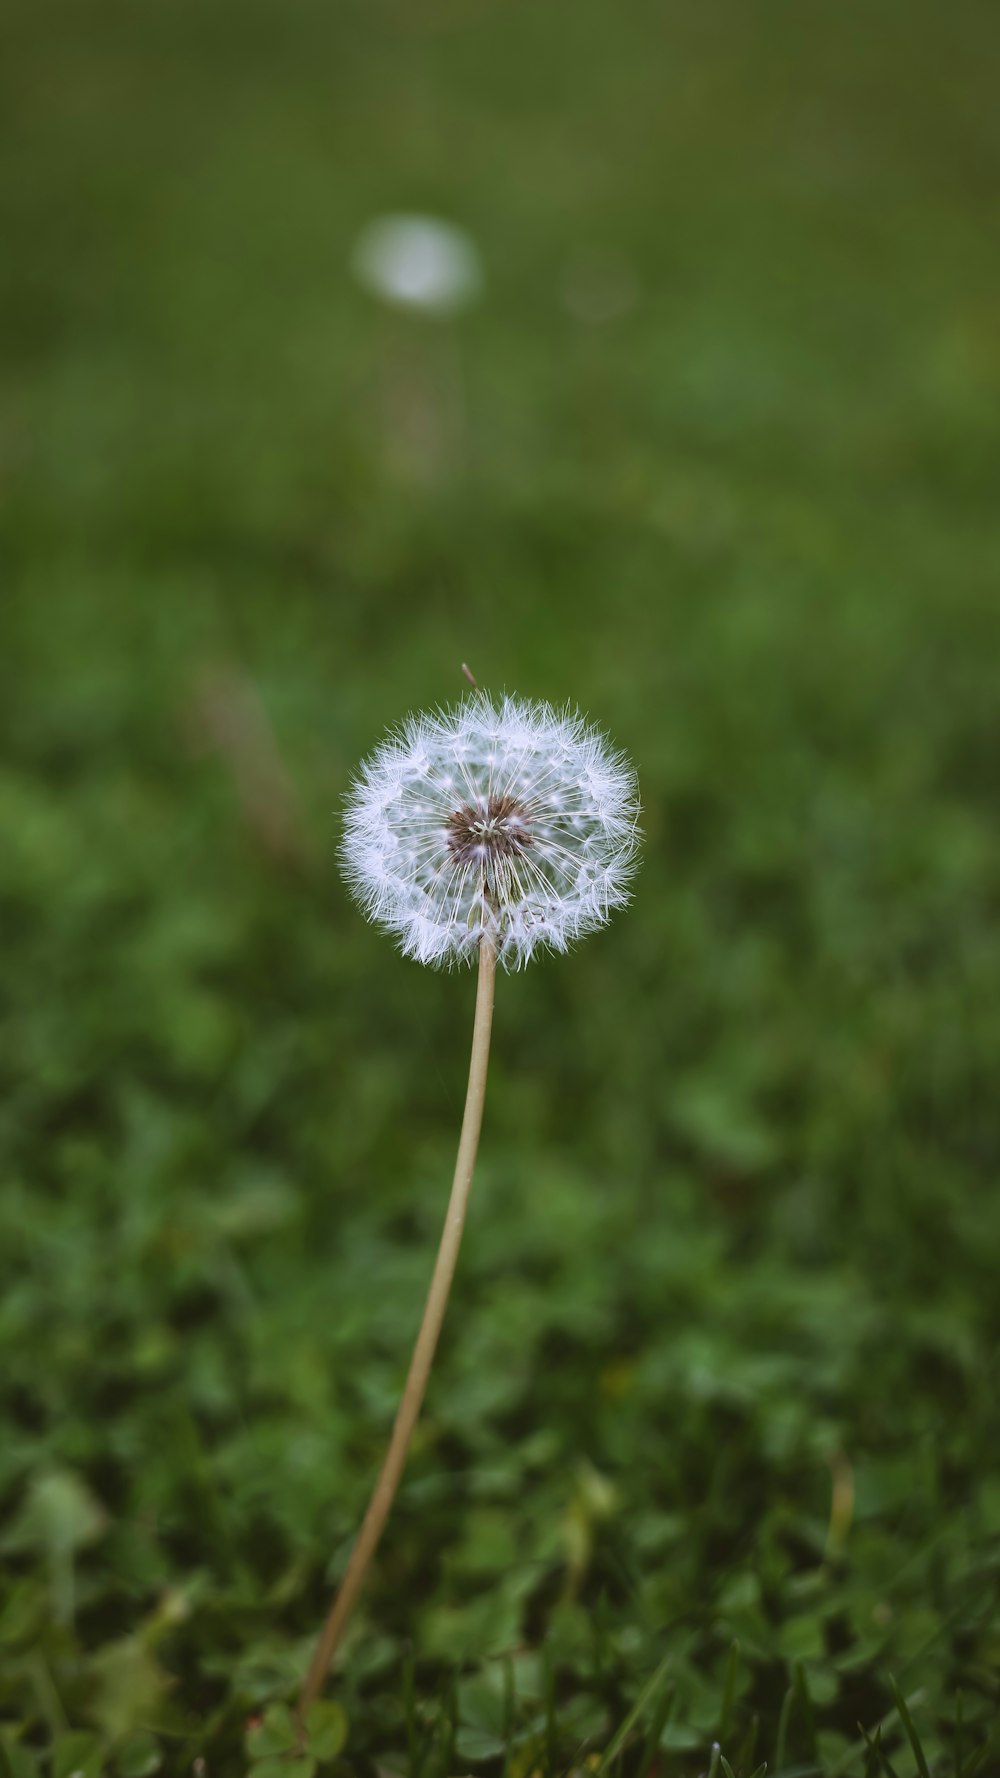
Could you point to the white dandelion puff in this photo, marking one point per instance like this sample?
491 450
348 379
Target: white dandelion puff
513 821
418 262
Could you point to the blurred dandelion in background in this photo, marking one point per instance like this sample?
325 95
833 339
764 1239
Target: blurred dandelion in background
418 263
419 269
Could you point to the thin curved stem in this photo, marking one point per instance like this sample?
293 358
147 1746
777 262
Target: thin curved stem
427 1339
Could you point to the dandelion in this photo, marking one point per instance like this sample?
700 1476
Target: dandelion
514 822
426 274
490 832
419 263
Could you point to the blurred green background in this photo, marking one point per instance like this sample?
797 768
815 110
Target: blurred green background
710 1451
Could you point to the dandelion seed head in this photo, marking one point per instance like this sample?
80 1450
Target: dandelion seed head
419 263
514 820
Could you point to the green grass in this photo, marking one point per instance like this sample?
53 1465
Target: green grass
736 1229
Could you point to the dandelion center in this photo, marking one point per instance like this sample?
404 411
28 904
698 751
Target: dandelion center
496 827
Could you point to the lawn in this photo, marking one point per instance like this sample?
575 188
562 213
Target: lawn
710 1452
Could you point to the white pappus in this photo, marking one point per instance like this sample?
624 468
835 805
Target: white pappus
512 819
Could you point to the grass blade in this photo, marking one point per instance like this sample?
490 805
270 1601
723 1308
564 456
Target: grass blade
729 1689
805 1707
647 1696
661 1716
878 1760
748 1746
783 1721
911 1733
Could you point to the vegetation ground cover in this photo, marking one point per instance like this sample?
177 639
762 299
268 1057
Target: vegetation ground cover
710 1453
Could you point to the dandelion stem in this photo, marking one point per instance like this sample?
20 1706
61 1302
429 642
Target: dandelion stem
427 1339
